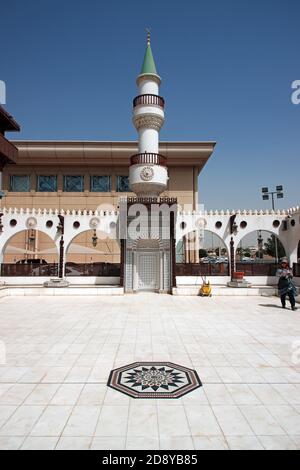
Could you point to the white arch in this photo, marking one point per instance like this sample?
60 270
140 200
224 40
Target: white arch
5 241
77 234
272 232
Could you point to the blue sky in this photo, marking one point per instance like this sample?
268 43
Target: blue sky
227 68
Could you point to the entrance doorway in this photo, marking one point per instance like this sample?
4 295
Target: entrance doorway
148 271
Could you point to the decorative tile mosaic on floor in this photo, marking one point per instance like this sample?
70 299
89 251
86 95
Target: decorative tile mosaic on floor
154 380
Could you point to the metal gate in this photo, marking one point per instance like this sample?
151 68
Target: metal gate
148 271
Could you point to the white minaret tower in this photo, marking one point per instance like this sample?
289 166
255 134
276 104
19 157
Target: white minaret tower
148 174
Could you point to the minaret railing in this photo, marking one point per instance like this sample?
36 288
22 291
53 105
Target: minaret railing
148 159
149 99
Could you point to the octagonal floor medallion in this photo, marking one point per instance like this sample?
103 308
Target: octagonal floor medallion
154 380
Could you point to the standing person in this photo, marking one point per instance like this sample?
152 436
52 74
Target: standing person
285 284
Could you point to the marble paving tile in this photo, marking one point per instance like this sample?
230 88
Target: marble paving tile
74 443
16 394
142 443
289 392
202 421
67 394
52 421
231 421
113 421
92 394
207 374
39 443
176 443
4 388
143 421
82 421
56 374
244 443
277 443
196 397
13 374
41 394
296 440
261 420
228 374
288 417
11 443
267 394
210 443
217 394
78 374
111 443
242 394
34 374
114 397
6 412
170 420
22 421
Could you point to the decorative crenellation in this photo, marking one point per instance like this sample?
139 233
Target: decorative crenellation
85 212
254 212
56 212
101 213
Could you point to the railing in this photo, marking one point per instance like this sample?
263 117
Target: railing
14 269
148 159
222 269
93 269
202 269
149 99
257 269
296 269
151 200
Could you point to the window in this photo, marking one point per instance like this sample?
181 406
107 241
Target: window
47 184
100 184
20 183
123 184
73 184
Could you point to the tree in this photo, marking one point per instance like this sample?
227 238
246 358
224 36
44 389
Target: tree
243 251
202 253
270 247
247 253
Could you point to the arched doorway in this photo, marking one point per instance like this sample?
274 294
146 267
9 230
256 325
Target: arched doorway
93 253
30 253
147 262
258 253
148 265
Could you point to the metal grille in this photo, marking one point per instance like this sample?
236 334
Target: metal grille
148 271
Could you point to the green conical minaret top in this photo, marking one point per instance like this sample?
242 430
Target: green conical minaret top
148 63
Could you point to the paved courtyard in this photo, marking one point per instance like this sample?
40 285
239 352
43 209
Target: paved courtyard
60 351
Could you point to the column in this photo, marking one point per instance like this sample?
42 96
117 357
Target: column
161 271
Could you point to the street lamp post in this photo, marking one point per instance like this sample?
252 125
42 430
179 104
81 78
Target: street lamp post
266 196
260 246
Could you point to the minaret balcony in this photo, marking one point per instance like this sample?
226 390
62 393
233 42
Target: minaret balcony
148 159
149 99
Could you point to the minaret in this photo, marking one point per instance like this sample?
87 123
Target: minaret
148 173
